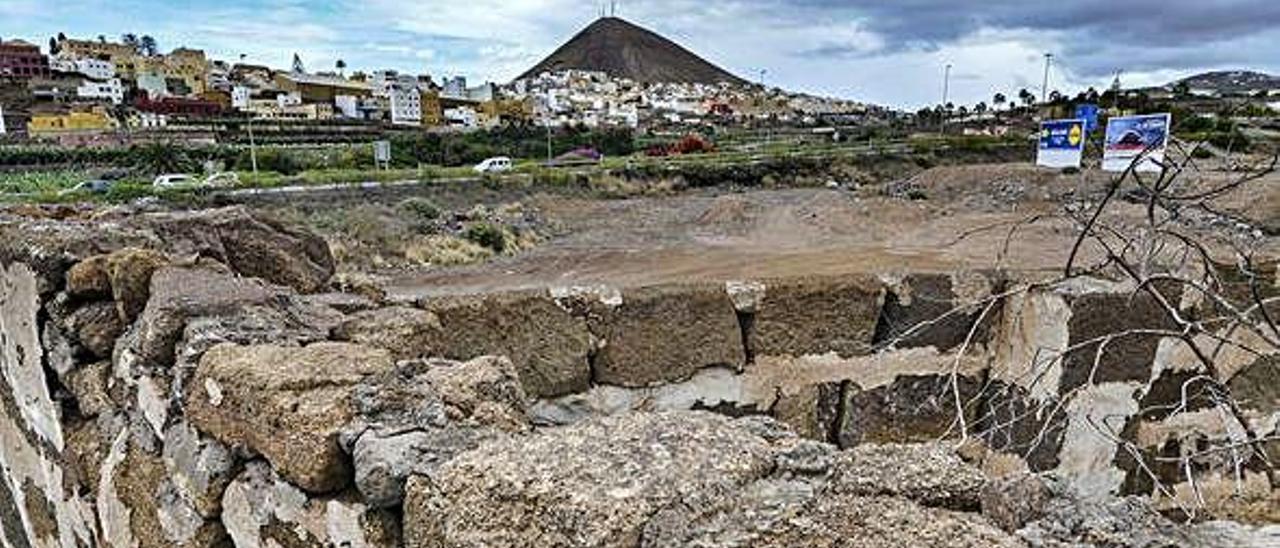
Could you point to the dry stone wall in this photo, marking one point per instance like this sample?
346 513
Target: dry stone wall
189 379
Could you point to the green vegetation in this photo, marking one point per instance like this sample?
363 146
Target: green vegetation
488 235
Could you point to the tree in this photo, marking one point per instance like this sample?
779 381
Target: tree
1182 90
1055 97
102 38
53 46
999 100
341 66
297 64
131 40
149 46
1026 97
981 107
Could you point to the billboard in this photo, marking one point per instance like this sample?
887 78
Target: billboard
1061 143
1130 137
1089 113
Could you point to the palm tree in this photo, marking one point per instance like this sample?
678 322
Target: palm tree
981 107
1026 97
102 38
149 46
341 66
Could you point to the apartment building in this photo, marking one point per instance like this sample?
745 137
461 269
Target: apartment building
22 60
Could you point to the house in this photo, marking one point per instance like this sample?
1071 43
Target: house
95 69
314 88
75 120
22 60
110 90
405 106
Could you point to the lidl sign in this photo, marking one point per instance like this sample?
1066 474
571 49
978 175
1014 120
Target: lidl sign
1061 143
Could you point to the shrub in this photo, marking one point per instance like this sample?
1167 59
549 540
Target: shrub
487 235
421 209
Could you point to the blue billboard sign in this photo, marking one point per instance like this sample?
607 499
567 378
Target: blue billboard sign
1133 137
1061 143
1089 113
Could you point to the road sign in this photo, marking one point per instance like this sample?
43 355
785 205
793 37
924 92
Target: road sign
382 153
1061 143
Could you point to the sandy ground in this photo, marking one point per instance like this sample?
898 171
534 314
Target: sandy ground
972 217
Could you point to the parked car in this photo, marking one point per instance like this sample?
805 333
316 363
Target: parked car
497 164
94 186
173 181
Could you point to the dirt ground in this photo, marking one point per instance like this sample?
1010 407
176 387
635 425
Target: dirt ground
968 217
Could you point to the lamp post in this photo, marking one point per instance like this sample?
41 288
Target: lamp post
946 93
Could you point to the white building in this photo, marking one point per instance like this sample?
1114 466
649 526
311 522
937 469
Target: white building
463 116
406 106
96 69
347 105
240 96
108 90
153 84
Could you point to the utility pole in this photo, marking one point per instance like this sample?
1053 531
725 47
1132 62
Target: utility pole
2 128
253 148
1044 88
547 122
946 93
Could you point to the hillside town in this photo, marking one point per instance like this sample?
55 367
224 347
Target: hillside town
76 90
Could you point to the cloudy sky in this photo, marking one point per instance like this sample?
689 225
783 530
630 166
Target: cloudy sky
884 51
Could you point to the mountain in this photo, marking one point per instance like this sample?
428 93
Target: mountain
1231 81
624 50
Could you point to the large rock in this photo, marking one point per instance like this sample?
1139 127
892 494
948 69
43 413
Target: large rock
224 304
937 310
252 244
548 346
817 315
594 484
287 404
665 333
404 331
420 416
929 474
261 510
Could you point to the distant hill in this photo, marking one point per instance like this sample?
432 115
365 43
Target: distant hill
1231 81
624 50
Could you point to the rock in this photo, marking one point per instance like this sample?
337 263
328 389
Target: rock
816 316
89 279
96 327
548 346
251 243
929 474
844 520
415 419
1119 522
221 304
592 484
88 385
346 303
130 272
1014 501
287 404
482 392
406 332
925 310
261 510
199 467
666 333
912 408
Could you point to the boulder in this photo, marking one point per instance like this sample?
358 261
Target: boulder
593 484
251 243
929 474
935 310
287 404
1015 501
666 333
130 271
96 326
418 417
405 332
817 315
548 346
232 308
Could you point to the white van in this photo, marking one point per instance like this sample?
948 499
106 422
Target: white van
494 165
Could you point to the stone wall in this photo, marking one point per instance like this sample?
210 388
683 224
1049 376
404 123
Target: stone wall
189 379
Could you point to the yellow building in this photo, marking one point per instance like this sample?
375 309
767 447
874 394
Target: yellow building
95 119
432 109
500 111
314 88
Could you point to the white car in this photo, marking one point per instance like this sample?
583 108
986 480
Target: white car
499 164
173 181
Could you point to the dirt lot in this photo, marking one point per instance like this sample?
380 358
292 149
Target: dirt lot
971 217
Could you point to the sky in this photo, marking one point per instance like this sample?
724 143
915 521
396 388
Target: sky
888 52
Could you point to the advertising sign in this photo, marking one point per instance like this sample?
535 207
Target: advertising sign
1089 113
1061 143
1131 137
